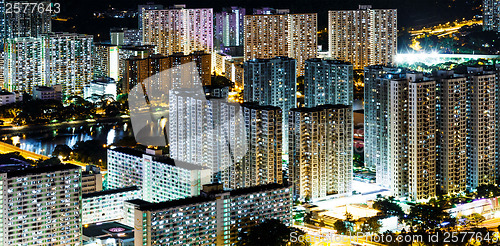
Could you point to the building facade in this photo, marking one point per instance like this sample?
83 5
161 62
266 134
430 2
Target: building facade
159 177
139 69
376 133
422 138
480 142
50 59
40 206
363 37
178 30
451 135
229 27
491 15
271 35
262 163
320 154
272 82
328 82
107 205
214 218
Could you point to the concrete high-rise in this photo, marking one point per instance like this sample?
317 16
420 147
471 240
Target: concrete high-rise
277 34
376 90
214 218
229 27
491 15
451 135
412 137
50 59
421 137
262 163
40 205
28 22
320 154
480 128
178 30
363 37
272 82
328 82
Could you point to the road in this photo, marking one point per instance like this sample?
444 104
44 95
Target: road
7 148
327 237
491 224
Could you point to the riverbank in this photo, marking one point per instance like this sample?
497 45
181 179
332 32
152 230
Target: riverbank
15 130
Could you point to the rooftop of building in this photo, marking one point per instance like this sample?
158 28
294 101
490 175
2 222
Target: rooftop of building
159 158
214 190
109 192
259 60
6 93
255 105
103 80
43 88
109 230
24 170
329 61
320 107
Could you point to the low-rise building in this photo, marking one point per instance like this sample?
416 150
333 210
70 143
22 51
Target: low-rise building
108 234
100 89
91 179
107 205
48 93
10 97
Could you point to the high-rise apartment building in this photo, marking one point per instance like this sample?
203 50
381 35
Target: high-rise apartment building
262 163
480 141
40 205
398 142
412 137
229 27
376 115
50 59
28 23
144 7
138 69
422 137
276 34
213 218
206 132
328 82
272 82
24 64
320 155
491 15
107 205
106 61
178 30
451 125
363 37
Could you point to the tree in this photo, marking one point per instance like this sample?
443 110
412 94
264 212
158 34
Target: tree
340 226
62 150
91 151
388 207
372 225
487 191
475 219
427 217
270 233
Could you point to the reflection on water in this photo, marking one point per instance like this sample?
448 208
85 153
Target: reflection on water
44 142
